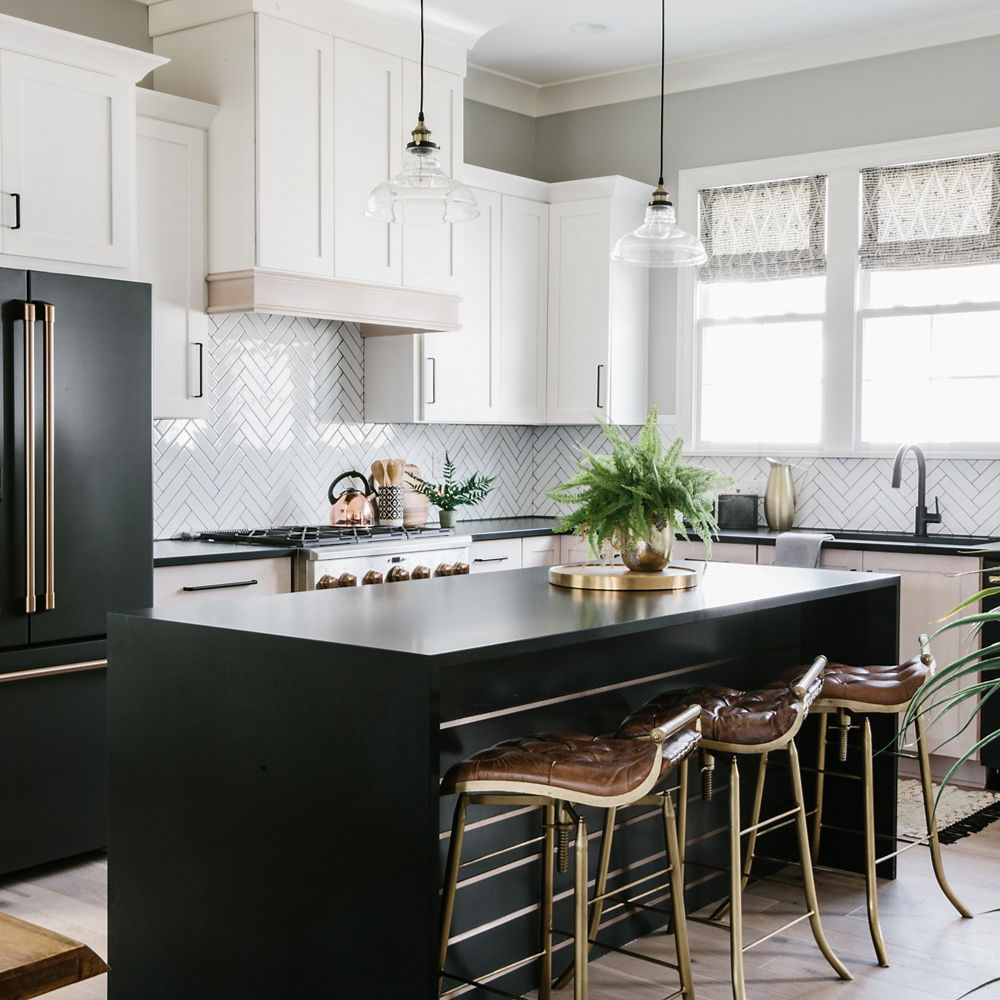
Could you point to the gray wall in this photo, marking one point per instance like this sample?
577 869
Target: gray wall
499 139
950 88
121 21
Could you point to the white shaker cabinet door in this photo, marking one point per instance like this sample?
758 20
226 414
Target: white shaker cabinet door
523 287
295 148
432 255
578 311
367 99
65 162
170 181
457 382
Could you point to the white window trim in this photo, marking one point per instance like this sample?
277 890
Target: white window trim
841 354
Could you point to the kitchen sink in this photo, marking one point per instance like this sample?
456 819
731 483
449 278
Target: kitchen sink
908 536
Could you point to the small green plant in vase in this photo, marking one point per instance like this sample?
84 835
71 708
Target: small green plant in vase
637 497
451 494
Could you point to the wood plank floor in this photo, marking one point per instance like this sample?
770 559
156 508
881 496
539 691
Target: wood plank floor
935 954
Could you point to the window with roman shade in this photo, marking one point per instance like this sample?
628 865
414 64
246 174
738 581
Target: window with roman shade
942 213
764 232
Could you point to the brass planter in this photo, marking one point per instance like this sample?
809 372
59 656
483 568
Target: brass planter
649 554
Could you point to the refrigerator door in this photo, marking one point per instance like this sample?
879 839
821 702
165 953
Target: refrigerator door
94 505
13 620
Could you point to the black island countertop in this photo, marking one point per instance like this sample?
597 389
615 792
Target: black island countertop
490 614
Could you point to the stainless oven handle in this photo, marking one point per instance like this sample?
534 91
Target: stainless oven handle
62 668
30 602
49 315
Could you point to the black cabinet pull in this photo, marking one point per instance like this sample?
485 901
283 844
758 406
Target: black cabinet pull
491 559
220 586
17 210
600 405
201 370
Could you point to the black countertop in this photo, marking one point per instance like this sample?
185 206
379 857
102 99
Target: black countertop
175 552
478 616
489 528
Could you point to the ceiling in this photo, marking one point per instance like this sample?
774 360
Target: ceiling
535 44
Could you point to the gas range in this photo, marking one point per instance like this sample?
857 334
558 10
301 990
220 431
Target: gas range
330 557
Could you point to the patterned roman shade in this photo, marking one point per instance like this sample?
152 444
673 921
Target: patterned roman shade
762 232
937 214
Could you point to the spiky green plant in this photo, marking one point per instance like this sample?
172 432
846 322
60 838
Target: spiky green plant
618 497
450 494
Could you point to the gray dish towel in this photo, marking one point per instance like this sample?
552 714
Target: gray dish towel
799 548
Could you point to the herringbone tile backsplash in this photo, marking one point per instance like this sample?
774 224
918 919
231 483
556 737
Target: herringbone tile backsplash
286 418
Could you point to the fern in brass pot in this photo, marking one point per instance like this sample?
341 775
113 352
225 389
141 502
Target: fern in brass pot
635 498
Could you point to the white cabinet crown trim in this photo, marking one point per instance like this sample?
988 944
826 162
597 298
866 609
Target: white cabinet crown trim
177 110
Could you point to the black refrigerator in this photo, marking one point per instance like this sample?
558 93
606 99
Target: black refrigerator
75 543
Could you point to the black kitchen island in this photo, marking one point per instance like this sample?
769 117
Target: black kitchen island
274 761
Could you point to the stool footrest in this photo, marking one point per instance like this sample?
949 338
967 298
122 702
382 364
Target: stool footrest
484 983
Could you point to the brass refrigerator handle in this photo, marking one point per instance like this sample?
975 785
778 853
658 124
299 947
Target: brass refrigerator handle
49 316
62 668
30 604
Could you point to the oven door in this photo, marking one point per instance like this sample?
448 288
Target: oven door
374 564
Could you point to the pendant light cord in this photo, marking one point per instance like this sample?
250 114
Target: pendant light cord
663 60
420 117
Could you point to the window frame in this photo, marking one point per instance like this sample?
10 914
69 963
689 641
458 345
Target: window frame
841 381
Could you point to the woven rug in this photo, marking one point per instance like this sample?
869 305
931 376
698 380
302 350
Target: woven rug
960 811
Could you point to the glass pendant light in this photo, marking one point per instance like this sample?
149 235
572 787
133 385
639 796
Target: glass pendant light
421 193
659 241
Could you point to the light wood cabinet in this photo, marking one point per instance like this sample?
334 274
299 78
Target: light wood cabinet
930 586
171 221
67 146
598 311
198 583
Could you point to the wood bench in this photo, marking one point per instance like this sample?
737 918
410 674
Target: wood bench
34 960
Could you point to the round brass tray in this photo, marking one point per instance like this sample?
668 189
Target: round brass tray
605 576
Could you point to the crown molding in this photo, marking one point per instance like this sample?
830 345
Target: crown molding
788 56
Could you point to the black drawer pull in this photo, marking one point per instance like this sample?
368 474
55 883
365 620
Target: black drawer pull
220 586
491 559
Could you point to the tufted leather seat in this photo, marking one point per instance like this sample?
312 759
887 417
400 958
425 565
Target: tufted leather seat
728 715
574 762
874 689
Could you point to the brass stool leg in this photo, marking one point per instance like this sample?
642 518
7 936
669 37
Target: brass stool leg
679 919
548 883
809 882
451 879
600 885
747 865
820 783
581 945
735 885
871 884
928 790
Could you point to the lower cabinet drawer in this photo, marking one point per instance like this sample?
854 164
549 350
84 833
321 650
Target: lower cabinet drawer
217 581
493 554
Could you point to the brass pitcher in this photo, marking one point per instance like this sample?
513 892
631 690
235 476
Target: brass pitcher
779 496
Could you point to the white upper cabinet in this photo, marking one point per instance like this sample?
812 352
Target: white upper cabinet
295 148
311 120
598 311
492 370
170 188
368 86
67 141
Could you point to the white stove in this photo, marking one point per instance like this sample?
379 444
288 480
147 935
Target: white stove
331 557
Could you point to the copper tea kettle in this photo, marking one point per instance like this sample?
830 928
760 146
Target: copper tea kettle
352 507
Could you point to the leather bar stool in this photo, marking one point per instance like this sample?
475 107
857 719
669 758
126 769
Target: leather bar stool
866 691
738 723
558 772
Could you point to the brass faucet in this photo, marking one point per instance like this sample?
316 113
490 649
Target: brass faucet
921 517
